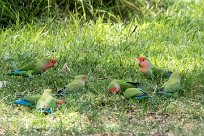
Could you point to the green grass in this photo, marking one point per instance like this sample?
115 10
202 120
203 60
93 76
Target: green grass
26 11
104 51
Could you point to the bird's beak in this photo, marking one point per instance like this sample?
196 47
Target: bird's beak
138 62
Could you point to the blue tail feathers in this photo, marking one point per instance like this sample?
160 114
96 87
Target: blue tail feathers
142 97
23 102
21 73
15 72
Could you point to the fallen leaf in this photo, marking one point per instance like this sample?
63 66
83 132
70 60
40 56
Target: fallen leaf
65 68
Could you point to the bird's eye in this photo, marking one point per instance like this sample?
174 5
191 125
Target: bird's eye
53 61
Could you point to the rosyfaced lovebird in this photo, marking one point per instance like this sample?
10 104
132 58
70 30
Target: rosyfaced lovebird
76 85
117 86
46 103
34 67
172 86
137 93
151 71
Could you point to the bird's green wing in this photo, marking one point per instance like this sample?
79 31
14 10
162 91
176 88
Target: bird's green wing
131 92
36 65
75 85
32 99
30 66
161 73
172 86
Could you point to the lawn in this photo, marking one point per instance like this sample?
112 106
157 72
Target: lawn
104 51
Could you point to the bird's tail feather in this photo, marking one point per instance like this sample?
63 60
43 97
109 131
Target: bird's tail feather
21 73
165 93
15 72
61 92
161 91
142 97
23 102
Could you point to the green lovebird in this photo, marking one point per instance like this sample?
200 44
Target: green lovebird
151 71
137 93
172 86
46 103
35 67
116 86
76 85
